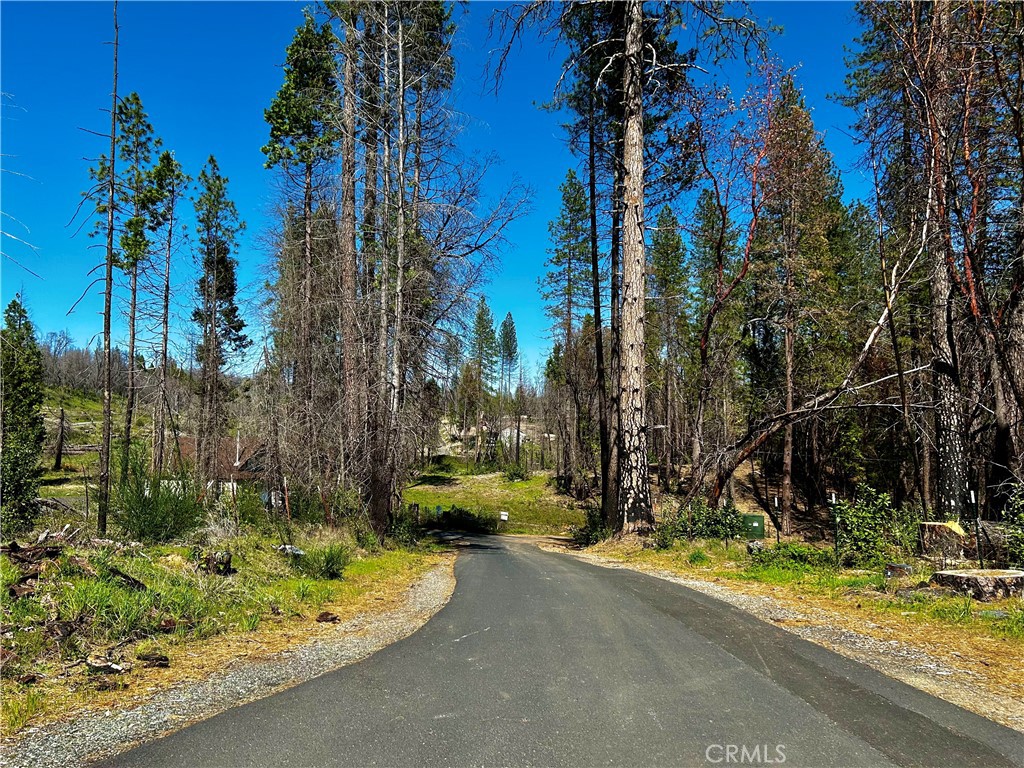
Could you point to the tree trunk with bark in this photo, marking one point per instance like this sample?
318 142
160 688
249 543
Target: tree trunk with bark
129 405
789 340
58 450
108 289
635 512
950 437
162 407
601 383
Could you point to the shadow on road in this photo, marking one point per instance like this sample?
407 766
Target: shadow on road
437 480
476 545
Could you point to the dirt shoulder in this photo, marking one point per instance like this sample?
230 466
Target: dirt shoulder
232 670
980 674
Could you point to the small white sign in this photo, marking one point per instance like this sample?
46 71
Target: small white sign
504 516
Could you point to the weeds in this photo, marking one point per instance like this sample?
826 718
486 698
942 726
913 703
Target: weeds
326 562
870 530
146 599
154 509
9 573
698 557
801 557
1013 625
303 590
956 610
148 647
20 707
698 521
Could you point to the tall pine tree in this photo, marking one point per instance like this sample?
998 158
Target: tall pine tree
483 356
21 419
221 326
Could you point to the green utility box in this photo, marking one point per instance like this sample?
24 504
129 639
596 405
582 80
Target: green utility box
753 526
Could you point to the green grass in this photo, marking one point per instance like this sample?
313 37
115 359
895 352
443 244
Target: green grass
532 504
792 569
18 709
83 589
1013 625
84 415
698 557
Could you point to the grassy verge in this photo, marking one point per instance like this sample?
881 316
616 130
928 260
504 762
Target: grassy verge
128 606
532 504
865 593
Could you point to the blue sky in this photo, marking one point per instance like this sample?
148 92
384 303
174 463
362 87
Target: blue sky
206 71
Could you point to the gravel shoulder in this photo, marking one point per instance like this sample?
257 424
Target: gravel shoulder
946 674
103 733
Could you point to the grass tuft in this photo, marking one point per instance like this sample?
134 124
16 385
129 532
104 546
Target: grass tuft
324 562
20 706
698 557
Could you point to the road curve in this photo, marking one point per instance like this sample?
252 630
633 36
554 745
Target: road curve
541 659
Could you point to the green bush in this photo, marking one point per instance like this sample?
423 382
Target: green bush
871 531
698 521
461 519
402 529
324 562
515 472
305 505
446 465
592 531
485 466
251 509
366 538
670 529
698 557
706 522
790 555
154 509
1013 520
19 486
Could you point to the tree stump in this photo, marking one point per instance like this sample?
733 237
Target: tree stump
982 584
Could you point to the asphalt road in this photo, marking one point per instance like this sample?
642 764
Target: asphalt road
540 659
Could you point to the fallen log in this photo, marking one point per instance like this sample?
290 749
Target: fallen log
982 584
129 581
75 450
57 506
32 554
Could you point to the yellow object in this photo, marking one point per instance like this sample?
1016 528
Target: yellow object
954 526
